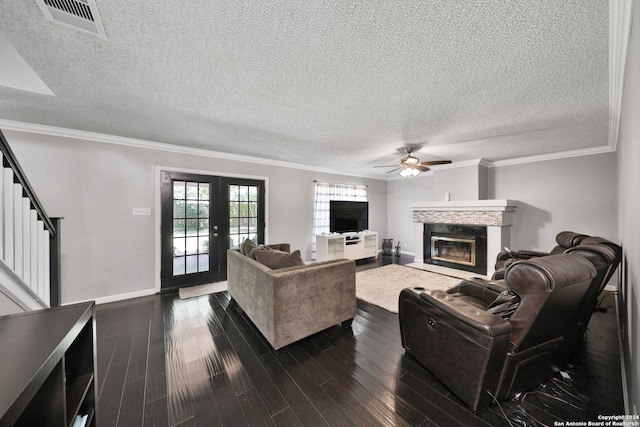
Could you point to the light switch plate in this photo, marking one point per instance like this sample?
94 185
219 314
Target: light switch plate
141 211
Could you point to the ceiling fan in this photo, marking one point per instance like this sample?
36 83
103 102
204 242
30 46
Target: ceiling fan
410 165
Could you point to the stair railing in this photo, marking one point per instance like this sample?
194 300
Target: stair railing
29 240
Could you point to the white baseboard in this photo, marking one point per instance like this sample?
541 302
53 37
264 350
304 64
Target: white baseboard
120 297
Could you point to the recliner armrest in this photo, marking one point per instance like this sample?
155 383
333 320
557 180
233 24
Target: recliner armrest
467 313
434 325
526 254
482 290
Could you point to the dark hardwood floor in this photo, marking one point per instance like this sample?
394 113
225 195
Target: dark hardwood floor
163 361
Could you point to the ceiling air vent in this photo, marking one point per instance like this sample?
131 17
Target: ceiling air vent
80 14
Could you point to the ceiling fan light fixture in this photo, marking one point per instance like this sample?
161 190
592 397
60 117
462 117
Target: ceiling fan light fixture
411 160
409 172
411 166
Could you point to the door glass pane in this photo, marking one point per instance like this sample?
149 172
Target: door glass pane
192 191
243 214
192 245
203 191
203 210
233 193
178 208
203 227
179 228
192 264
203 245
203 262
178 190
178 246
178 266
192 209
190 227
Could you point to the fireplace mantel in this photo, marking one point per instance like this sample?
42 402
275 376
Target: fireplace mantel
467 205
495 214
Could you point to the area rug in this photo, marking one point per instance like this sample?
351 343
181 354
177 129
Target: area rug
445 270
199 290
381 286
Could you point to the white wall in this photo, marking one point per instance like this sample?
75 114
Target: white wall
629 207
462 183
107 253
576 194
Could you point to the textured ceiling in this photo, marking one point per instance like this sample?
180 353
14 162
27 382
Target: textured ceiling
337 84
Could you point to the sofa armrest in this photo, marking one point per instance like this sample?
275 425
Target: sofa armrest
434 325
312 298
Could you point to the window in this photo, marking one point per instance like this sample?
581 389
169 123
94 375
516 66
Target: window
324 193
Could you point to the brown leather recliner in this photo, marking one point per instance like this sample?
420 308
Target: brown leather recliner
617 249
564 239
602 253
481 354
605 259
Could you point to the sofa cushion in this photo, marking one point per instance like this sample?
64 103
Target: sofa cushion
275 259
246 246
259 248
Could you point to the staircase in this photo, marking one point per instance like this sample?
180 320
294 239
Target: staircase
28 242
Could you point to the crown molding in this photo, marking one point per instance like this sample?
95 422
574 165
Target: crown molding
620 19
178 149
162 146
553 156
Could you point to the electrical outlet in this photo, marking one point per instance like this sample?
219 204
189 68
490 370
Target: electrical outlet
141 211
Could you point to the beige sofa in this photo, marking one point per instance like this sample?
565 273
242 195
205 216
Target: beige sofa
292 303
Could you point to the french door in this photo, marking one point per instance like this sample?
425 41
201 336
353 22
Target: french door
201 217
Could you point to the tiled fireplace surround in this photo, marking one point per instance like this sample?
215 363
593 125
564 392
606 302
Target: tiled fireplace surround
496 215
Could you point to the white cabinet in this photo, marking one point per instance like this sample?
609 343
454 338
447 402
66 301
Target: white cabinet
351 246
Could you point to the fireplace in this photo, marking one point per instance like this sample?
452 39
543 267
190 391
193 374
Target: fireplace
456 246
454 249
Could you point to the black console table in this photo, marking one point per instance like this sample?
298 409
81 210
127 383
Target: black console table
47 367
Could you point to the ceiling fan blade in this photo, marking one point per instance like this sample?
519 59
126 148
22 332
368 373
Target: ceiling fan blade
387 166
436 162
393 170
422 168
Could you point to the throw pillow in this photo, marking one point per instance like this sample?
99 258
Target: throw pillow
278 259
259 248
246 246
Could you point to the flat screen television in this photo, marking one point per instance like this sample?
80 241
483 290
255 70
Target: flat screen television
348 216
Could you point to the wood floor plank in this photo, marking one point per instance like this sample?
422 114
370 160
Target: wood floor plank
131 411
254 410
205 409
229 409
373 386
156 375
269 394
155 413
286 418
323 403
163 361
297 399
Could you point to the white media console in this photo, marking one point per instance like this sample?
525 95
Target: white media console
348 245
